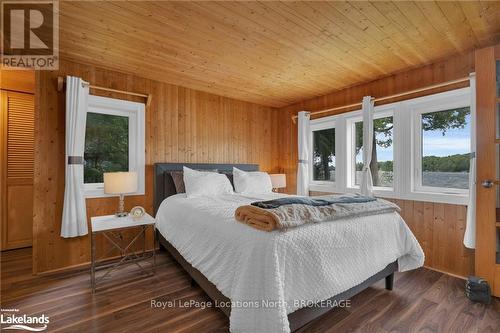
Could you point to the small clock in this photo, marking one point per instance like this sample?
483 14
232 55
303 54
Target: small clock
137 212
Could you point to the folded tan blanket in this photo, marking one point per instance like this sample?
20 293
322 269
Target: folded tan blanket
293 215
259 218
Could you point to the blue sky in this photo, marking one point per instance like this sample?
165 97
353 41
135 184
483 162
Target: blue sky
455 141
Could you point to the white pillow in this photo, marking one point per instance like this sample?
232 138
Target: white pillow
203 183
254 182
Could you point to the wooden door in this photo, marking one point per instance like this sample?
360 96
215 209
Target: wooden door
487 258
17 152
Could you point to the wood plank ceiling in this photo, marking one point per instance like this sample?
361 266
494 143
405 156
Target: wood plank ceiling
272 53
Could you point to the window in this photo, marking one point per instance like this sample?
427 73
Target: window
445 149
381 165
438 157
114 141
421 149
106 145
324 155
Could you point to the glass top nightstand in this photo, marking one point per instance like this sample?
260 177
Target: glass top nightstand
111 227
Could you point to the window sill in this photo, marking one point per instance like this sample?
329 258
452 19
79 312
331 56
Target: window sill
93 194
330 188
97 191
455 199
376 189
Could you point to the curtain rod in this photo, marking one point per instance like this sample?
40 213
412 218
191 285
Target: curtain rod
62 80
434 86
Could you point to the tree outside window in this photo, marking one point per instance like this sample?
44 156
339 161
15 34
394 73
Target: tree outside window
106 146
381 165
445 149
324 155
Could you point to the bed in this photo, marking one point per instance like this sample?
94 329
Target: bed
277 281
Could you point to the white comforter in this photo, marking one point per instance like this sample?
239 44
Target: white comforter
266 274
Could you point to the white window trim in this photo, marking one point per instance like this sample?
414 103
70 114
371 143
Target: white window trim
318 125
415 108
381 111
405 115
137 135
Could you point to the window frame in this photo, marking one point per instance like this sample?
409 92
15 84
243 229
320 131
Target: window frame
382 111
136 130
404 147
318 125
429 104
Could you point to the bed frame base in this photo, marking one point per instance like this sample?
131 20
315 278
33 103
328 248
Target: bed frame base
298 318
389 281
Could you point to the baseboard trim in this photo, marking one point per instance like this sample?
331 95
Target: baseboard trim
445 272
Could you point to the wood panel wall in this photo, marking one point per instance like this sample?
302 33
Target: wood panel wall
438 227
182 125
17 80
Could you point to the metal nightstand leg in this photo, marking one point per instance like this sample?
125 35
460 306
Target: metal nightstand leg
92 263
154 248
144 241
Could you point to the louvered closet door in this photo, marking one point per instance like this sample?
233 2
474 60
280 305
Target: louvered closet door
17 126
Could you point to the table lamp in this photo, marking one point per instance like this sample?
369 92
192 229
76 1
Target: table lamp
278 180
120 183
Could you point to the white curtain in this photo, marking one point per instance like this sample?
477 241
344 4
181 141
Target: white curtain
470 227
366 177
303 165
74 216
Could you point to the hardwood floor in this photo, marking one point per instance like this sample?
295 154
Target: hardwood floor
422 301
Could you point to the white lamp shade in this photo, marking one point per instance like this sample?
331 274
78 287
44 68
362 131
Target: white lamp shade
278 180
120 182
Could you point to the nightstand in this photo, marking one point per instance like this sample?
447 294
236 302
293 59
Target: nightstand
111 227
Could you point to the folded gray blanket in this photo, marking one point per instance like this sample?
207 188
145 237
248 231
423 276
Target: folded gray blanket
313 201
297 214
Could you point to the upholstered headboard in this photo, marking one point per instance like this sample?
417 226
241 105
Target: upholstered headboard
163 183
